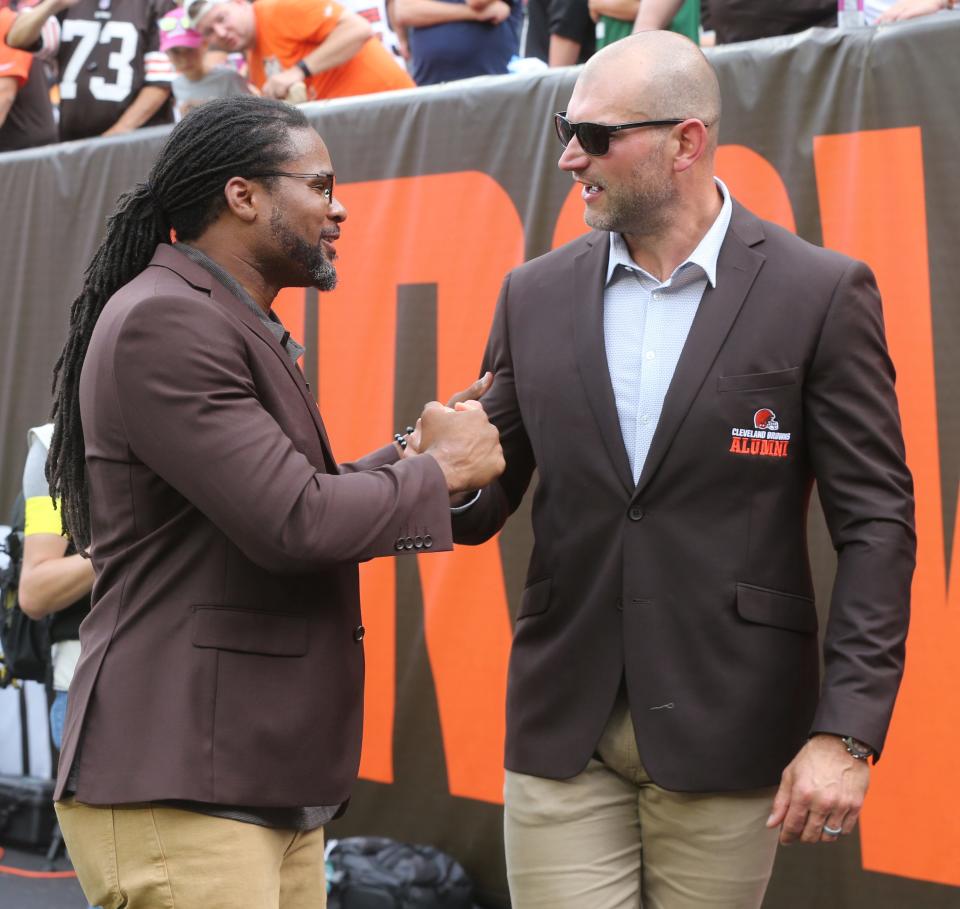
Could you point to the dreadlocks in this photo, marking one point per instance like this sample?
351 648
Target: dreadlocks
231 137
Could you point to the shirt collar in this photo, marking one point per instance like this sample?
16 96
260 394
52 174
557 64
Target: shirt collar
705 255
270 321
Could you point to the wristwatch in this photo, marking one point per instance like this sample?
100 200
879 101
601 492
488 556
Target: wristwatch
302 66
856 748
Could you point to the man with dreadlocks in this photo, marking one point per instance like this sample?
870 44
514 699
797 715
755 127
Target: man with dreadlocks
215 716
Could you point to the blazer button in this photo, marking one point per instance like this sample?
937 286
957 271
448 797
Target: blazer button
418 542
635 513
359 632
399 544
427 541
408 543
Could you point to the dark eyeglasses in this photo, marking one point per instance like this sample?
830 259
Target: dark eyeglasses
323 182
594 138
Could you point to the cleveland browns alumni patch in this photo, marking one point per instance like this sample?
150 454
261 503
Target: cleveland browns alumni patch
764 440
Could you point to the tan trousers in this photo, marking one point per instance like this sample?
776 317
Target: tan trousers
152 857
609 838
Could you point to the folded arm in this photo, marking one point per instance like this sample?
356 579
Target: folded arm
342 44
26 29
423 13
149 100
656 14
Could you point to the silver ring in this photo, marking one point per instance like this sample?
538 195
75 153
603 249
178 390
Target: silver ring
832 831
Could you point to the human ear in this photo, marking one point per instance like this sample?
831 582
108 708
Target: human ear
244 198
692 141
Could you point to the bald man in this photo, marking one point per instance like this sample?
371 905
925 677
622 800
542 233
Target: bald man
679 377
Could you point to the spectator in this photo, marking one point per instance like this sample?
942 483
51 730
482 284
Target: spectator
560 32
113 78
323 45
54 580
456 39
382 18
615 19
26 117
197 81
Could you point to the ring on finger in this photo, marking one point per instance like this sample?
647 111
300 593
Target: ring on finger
832 831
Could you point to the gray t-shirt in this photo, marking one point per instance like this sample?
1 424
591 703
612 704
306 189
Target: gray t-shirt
221 82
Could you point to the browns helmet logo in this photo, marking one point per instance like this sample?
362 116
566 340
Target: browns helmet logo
764 440
765 418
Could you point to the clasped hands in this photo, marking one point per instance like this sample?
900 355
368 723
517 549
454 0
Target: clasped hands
460 438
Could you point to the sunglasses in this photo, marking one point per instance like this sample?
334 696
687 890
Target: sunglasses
594 138
322 182
171 24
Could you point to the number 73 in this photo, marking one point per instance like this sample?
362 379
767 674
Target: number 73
119 62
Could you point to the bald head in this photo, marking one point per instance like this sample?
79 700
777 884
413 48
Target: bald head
656 75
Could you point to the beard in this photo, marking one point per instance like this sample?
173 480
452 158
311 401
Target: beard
642 209
312 266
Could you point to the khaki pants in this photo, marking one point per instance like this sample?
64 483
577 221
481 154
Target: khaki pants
609 838
152 857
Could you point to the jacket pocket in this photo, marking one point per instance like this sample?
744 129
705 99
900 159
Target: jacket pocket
536 599
757 381
250 630
772 607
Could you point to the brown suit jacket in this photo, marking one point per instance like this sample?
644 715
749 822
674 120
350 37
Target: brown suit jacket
695 583
222 661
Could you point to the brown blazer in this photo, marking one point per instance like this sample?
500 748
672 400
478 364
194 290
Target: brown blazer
222 660
695 583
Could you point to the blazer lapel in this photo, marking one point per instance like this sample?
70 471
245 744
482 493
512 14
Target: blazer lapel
589 274
199 278
249 318
737 268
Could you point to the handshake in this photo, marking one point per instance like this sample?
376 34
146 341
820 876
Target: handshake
460 438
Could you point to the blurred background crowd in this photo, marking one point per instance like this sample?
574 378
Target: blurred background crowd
77 69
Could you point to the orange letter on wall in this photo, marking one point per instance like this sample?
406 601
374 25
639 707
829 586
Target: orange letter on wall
754 182
871 189
461 232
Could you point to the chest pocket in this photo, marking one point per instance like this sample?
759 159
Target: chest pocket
763 411
760 381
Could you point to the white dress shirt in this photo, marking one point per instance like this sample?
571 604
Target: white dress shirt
645 325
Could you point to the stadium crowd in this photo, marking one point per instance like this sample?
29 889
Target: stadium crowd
76 69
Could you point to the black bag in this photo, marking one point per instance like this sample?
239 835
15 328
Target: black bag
25 642
26 811
378 873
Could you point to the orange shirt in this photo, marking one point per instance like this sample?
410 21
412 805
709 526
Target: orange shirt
14 64
288 30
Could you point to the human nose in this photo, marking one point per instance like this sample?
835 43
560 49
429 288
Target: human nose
336 212
573 157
